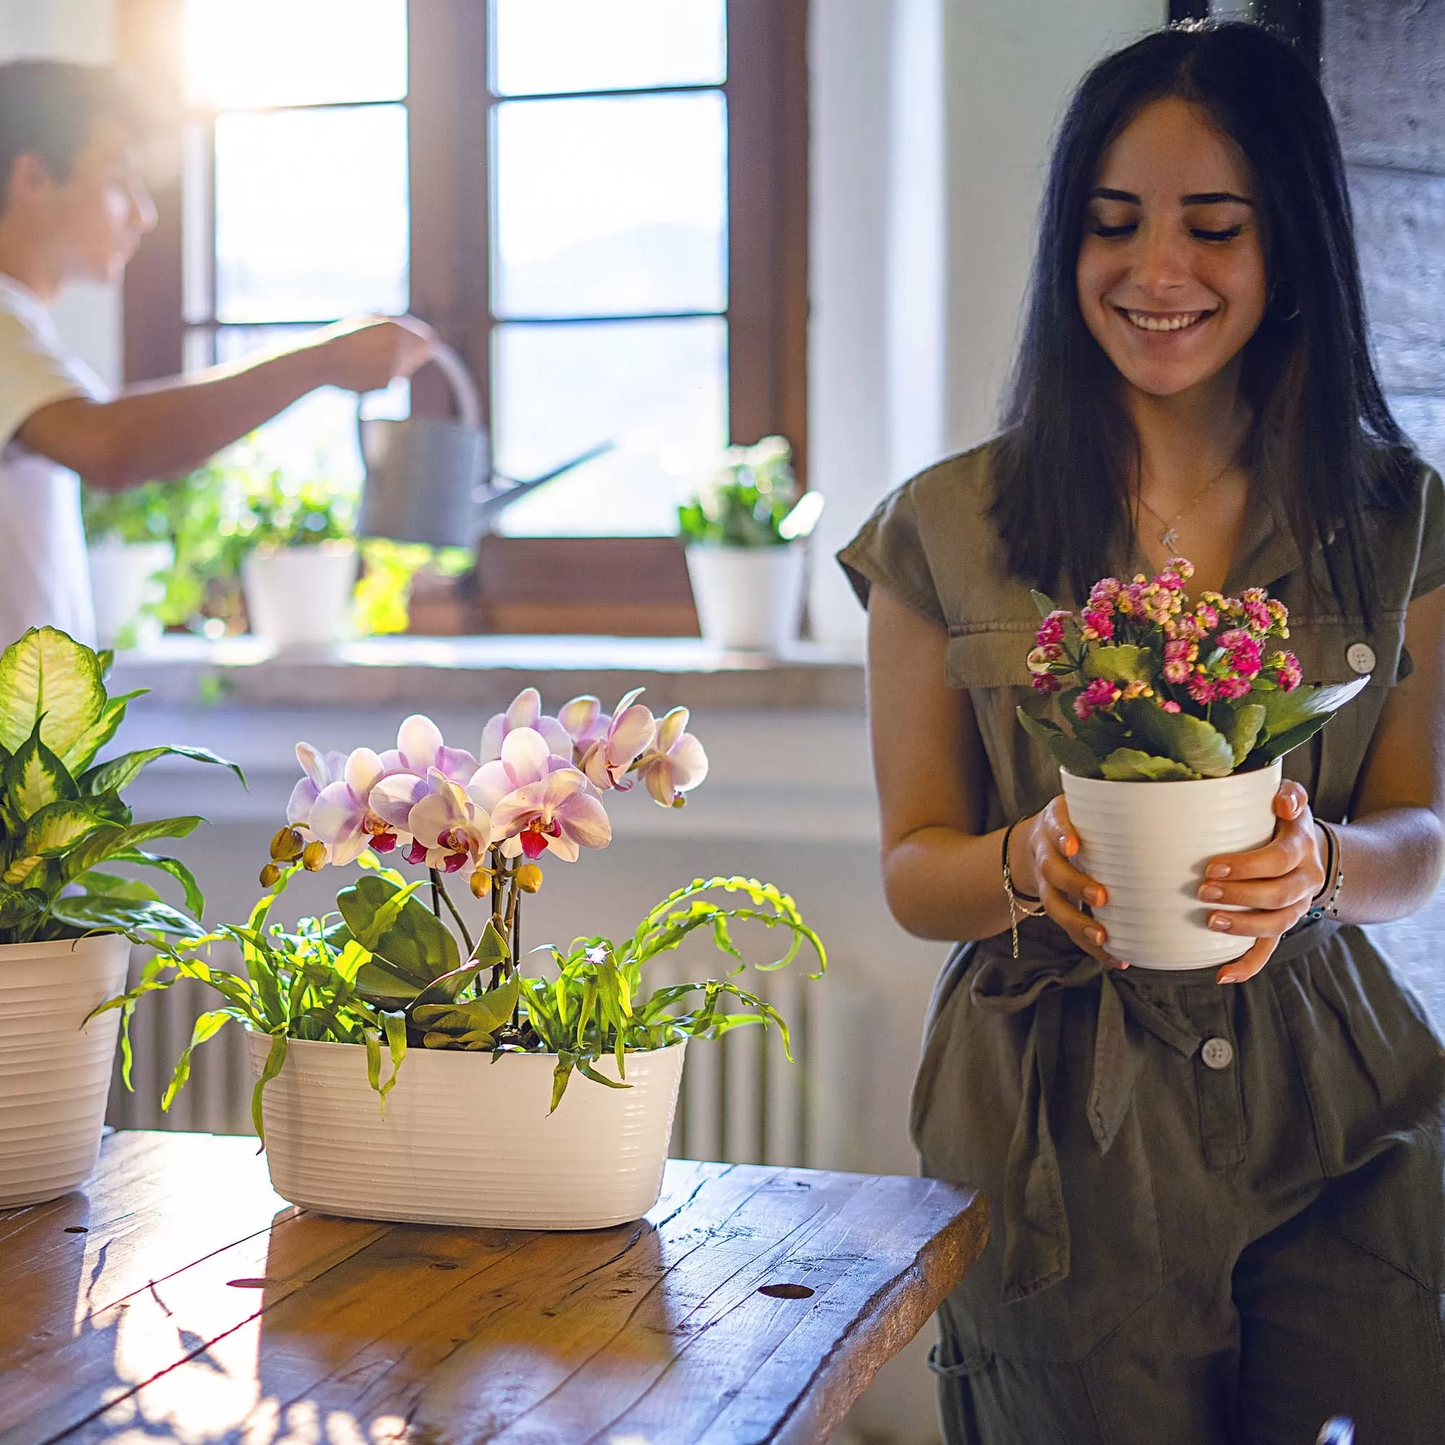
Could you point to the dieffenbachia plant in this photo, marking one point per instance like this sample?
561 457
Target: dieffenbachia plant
62 817
1154 688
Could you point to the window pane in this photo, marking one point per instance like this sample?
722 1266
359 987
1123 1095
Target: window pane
311 213
544 46
249 53
656 388
610 207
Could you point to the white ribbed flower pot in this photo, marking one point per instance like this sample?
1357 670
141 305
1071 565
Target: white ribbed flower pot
748 597
54 1067
1148 844
300 596
467 1139
122 581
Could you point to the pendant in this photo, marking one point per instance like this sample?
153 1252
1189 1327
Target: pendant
1169 538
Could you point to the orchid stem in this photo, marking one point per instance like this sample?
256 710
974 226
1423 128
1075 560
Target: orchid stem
438 889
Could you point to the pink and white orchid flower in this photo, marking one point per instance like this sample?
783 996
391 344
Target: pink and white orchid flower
555 813
450 828
341 816
321 769
419 747
584 722
629 734
676 763
525 712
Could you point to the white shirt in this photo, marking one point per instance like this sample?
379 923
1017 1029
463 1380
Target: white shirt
43 575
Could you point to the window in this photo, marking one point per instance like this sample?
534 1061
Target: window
602 206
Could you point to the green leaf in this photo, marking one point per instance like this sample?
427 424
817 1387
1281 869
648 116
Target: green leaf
1243 729
48 678
398 929
1129 765
19 905
56 828
1286 742
101 913
1122 662
1178 735
487 1012
207 1026
195 899
275 1062
121 772
1075 755
1287 710
35 777
111 840
82 752
379 985
114 886
1044 603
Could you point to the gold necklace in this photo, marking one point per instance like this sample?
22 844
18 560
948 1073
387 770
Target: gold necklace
1169 537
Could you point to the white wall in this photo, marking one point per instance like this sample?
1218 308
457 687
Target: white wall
89 317
931 122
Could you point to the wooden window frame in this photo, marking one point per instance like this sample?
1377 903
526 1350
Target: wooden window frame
625 585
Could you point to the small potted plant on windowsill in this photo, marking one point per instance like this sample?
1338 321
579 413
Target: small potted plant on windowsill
1200 702
746 534
66 922
401 1076
129 550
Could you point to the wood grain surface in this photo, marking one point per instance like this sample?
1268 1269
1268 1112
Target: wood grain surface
177 1298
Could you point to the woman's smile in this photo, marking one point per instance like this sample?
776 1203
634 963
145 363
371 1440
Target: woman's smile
1162 321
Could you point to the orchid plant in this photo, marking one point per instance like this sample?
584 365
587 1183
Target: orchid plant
386 970
1156 687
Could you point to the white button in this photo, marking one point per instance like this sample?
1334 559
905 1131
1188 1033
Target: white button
1361 657
1217 1053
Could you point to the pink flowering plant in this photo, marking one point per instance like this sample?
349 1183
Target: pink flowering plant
390 970
1153 686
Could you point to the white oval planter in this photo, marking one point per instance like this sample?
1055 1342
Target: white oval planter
467 1139
55 1068
122 581
748 597
1148 844
300 596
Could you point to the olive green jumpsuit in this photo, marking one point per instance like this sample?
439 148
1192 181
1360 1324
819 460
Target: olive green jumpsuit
1218 1211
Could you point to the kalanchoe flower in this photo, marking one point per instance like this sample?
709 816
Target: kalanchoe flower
1098 626
1100 694
1044 682
629 734
525 712
1040 659
1241 653
676 762
1051 629
1287 671
1179 655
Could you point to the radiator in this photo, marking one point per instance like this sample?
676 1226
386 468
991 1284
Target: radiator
742 1100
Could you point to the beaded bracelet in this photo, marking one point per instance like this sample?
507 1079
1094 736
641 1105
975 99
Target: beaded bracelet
1020 905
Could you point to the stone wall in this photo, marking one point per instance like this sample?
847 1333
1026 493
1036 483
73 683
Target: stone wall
1384 71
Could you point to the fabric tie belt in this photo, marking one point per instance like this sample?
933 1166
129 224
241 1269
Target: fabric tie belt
1036 1227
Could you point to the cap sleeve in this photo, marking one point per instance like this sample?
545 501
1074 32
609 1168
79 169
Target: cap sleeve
1430 566
889 550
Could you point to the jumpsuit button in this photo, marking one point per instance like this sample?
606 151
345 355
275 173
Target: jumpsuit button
1217 1053
1361 657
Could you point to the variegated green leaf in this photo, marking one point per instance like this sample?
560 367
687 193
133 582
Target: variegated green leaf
121 772
35 777
48 675
56 828
124 915
111 840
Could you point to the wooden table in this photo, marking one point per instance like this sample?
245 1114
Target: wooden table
177 1298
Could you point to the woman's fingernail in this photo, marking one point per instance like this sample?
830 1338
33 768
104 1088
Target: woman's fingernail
1094 897
1217 870
1094 935
1225 976
1220 923
1210 893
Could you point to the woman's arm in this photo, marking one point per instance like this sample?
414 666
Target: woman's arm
1393 848
942 873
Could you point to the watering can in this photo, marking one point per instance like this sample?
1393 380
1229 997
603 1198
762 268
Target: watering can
429 480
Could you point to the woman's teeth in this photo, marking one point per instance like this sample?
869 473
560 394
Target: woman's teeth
1146 321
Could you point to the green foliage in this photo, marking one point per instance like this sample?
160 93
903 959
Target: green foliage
381 603
1197 744
62 816
746 500
363 976
279 511
1072 752
1124 663
1129 765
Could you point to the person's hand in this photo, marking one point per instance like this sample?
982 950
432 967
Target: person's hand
1275 883
367 354
1040 860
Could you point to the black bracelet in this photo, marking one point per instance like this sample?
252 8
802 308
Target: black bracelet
1334 875
1007 872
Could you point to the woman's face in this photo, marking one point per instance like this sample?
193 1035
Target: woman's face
1171 272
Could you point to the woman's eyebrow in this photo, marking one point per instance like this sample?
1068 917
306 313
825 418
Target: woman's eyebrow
1214 198
1104 193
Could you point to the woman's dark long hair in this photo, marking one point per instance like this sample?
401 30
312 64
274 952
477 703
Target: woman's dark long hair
1323 441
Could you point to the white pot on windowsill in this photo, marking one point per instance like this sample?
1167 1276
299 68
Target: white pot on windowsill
467 1138
124 580
300 596
748 597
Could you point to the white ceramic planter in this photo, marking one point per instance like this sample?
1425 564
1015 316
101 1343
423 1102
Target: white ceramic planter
122 581
300 596
748 597
54 1073
1148 844
467 1140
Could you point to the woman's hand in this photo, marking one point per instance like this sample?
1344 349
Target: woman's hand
1275 883
1040 852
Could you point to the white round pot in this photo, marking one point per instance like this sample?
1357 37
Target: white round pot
300 596
466 1138
1148 844
54 1067
748 597
123 580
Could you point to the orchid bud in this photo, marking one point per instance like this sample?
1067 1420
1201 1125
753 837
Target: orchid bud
286 846
529 878
481 883
313 856
270 876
